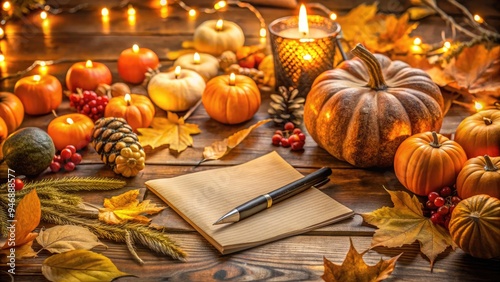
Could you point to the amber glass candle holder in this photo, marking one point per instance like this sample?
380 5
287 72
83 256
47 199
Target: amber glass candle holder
300 58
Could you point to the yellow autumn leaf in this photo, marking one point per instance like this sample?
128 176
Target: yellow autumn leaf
63 238
221 148
172 131
404 224
80 265
126 207
354 268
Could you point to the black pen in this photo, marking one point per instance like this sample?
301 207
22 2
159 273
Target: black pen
265 201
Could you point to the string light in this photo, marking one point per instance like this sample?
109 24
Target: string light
2 57
220 5
6 6
163 3
478 19
478 106
192 12
43 15
104 12
333 16
417 41
446 46
131 11
2 32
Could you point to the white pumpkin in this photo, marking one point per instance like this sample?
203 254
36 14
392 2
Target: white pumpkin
216 36
205 65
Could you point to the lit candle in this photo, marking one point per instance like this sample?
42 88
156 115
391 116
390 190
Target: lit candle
177 72
71 129
205 65
87 75
232 79
137 110
127 99
40 94
219 25
133 63
216 36
303 31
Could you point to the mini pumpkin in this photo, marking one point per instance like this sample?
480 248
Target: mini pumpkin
479 134
479 175
428 161
11 110
4 132
216 36
475 225
40 94
71 129
137 110
361 111
231 99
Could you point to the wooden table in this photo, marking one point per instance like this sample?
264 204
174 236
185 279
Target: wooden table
72 37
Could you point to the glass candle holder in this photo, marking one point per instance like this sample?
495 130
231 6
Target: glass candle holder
300 58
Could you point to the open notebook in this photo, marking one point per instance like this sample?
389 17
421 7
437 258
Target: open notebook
203 197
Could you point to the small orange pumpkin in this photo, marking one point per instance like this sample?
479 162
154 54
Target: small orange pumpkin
428 161
475 225
3 130
40 94
137 110
479 175
87 75
479 134
71 129
11 110
231 99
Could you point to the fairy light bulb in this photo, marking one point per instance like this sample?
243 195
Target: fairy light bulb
220 5
478 106
478 19
262 32
43 15
417 41
163 3
446 46
2 57
333 16
2 32
6 6
192 12
104 12
131 11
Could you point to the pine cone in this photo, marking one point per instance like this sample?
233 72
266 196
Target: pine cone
287 106
118 145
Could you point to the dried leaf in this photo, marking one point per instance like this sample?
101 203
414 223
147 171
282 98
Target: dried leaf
405 224
221 148
63 238
354 268
27 218
80 265
172 131
125 207
418 13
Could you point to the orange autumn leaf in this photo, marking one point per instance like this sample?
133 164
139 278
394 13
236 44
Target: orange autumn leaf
26 219
404 224
172 131
125 207
354 268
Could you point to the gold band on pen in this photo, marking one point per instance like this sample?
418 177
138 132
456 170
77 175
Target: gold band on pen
269 200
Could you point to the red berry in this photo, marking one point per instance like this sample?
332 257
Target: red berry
432 196
57 159
76 158
297 146
285 143
69 166
439 201
18 184
279 132
289 126
297 131
455 200
66 154
443 210
445 191
430 205
71 148
436 218
302 136
293 138
55 166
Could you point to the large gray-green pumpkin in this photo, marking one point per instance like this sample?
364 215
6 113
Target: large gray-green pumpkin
362 110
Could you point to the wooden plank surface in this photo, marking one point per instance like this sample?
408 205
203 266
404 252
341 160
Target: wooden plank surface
78 36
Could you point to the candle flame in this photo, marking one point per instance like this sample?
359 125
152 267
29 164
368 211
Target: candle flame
219 5
135 48
69 121
43 15
177 71
232 79
262 32
89 64
6 6
127 98
105 12
219 25
417 41
163 2
303 25
478 106
131 11
192 12
37 78
196 58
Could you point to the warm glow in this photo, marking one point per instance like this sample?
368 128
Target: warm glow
127 98
333 16
177 71
196 58
163 3
219 25
104 12
232 79
6 6
135 48
263 32
43 15
478 106
417 41
2 32
220 5
43 64
164 12
69 121
303 25
131 11
192 12
2 58
447 45
307 57
478 18
89 64
37 78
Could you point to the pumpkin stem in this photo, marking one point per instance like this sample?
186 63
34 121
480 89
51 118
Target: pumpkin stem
435 140
489 164
376 81
487 121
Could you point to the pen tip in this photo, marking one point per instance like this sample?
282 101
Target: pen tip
232 216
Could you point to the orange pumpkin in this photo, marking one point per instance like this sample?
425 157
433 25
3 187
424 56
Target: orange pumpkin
361 111
133 63
428 161
231 99
475 225
40 94
479 175
11 110
3 130
87 75
137 110
71 129
479 134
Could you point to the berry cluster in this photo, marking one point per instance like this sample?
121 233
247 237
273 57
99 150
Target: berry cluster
289 137
68 158
89 104
440 205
